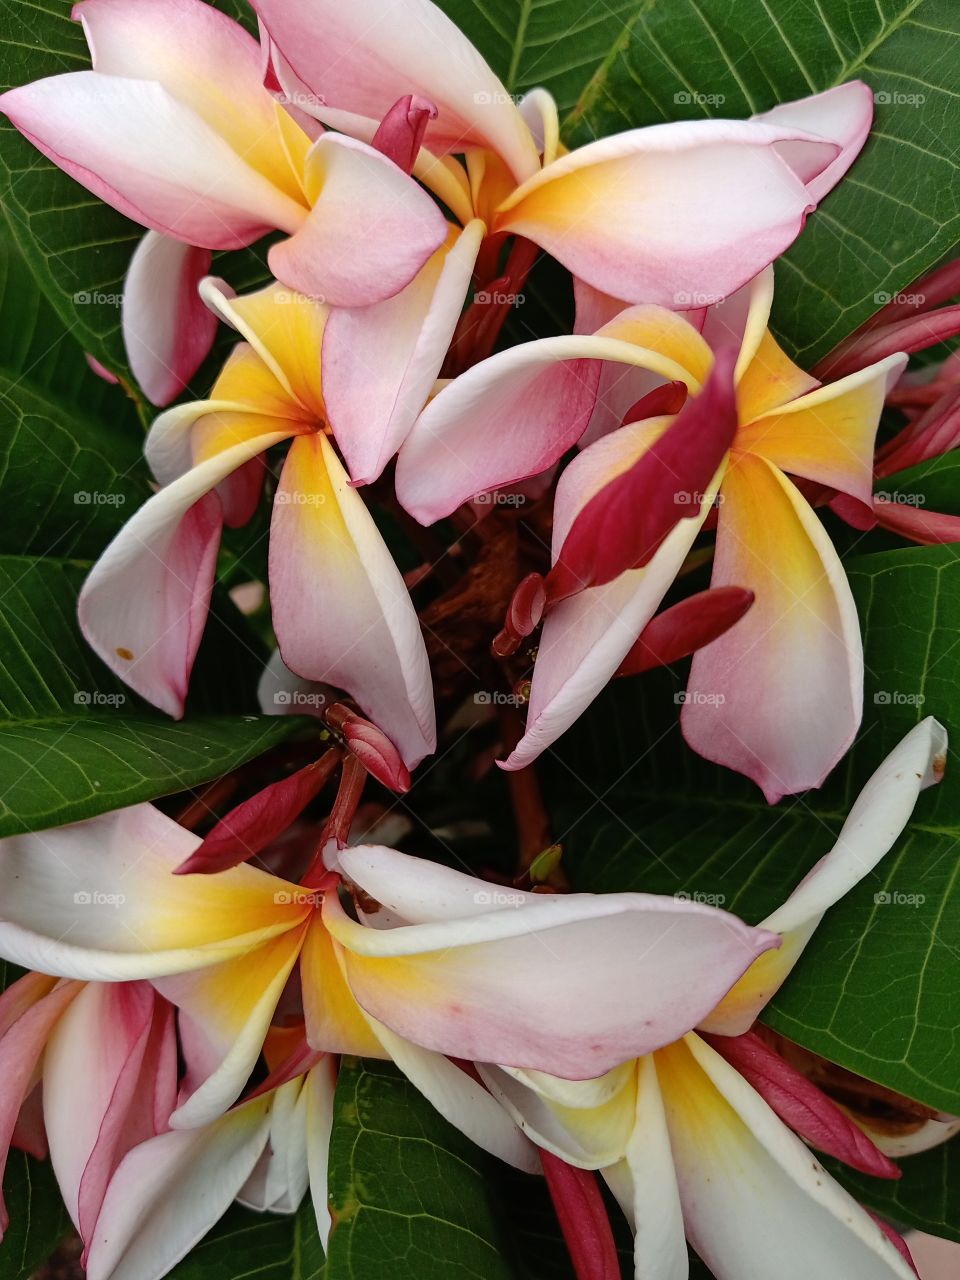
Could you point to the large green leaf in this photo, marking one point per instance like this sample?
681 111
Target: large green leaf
926 1197
73 740
257 1246
878 988
896 213
38 1220
407 1191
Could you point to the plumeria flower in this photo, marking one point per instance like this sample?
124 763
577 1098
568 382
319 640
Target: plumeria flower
647 215
341 611
88 1071
779 695
698 1140
174 128
429 971
168 1191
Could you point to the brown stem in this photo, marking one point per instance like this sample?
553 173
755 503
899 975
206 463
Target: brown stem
533 824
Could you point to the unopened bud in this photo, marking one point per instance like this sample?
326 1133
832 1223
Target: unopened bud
371 746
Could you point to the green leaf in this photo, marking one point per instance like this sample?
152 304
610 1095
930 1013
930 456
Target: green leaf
73 740
925 1198
894 216
245 1246
408 1192
878 988
38 1219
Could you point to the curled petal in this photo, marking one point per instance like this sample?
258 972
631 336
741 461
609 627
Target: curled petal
685 627
401 130
842 114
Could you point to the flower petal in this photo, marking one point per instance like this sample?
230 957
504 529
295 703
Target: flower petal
167 330
168 1193
144 604
780 695
370 230
876 820
380 362
842 114
281 1177
335 1023
341 611
450 984
587 636
603 211
828 435
145 153
755 1202
361 58
98 900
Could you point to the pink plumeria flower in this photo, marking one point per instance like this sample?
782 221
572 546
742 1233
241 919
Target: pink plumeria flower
174 128
698 1140
779 695
429 974
88 1071
647 215
341 611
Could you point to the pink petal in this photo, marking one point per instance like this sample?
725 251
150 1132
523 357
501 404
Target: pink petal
136 146
401 130
686 627
624 522
842 115
380 362
359 59
583 1219
370 230
167 330
919 525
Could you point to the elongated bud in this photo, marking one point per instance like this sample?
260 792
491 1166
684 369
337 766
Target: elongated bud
911 333
523 614
251 826
583 1219
686 627
801 1105
371 746
402 128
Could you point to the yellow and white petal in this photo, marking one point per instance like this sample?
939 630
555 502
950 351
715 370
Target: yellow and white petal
335 1023
780 695
659 1245
341 611
828 435
98 900
755 1201
281 1177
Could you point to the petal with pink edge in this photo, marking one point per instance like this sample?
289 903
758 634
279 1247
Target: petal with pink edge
340 608
98 900
380 362
167 330
780 695
843 115
734 204
144 604
782 1214
876 820
151 157
369 231
450 984
168 1193
360 58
